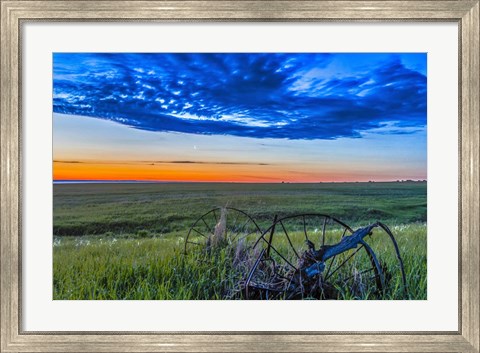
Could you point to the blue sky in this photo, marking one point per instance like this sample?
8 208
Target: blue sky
292 96
240 117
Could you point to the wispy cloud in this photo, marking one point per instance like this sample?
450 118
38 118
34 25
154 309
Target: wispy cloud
157 162
213 163
292 96
67 162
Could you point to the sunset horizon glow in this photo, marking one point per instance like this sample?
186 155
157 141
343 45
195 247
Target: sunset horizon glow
243 118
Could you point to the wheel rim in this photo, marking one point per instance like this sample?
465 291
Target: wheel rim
276 273
238 226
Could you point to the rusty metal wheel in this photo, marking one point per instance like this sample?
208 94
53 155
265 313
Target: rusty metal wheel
285 270
383 242
221 224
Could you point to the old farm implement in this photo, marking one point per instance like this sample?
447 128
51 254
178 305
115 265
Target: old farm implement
305 256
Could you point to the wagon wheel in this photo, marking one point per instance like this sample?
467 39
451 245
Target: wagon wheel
278 272
222 224
383 242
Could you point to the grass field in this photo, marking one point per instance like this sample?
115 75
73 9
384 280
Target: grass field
126 241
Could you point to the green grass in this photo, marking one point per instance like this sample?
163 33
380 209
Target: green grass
96 209
133 269
125 241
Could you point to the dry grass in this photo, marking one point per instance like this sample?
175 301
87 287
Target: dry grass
219 236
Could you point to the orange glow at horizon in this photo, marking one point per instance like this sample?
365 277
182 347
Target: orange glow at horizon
200 172
166 172
95 149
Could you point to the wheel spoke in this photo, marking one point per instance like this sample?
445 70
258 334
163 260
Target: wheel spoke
192 242
323 230
238 230
289 241
327 273
206 225
305 229
344 261
235 223
278 253
197 231
246 235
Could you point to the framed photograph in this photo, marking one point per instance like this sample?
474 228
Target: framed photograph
240 176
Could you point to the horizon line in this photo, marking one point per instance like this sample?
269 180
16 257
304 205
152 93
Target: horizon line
100 181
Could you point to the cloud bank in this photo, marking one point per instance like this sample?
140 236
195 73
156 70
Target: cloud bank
292 96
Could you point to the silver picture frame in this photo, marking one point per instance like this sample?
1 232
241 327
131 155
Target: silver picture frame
16 13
